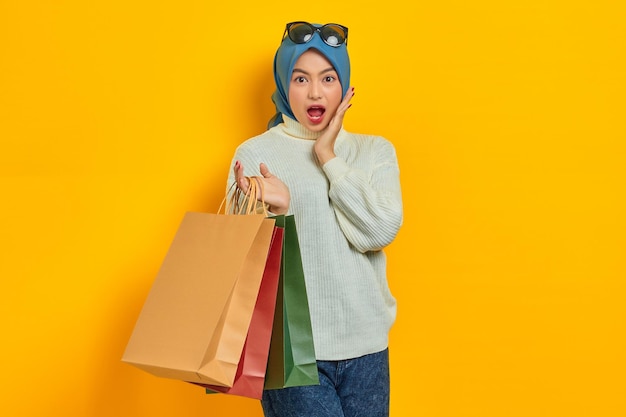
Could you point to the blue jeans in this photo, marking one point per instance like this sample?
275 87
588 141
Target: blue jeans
348 388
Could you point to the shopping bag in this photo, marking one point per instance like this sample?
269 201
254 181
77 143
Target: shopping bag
195 320
250 376
291 359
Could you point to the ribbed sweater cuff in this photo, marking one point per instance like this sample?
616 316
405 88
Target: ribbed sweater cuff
335 168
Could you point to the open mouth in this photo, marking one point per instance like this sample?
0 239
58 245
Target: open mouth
316 113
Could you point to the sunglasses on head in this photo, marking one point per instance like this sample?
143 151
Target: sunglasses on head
331 33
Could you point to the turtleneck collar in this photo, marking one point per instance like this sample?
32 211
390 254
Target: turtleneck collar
294 129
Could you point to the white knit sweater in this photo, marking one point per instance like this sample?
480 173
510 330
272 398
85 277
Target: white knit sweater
345 212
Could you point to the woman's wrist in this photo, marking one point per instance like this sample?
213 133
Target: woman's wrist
279 208
278 211
324 155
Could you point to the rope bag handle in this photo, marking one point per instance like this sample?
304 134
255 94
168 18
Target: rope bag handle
239 202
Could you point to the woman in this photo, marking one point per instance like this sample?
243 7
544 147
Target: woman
344 192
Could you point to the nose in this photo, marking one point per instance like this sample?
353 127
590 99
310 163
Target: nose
315 91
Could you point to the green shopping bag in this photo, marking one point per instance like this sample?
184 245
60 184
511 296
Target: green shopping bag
292 352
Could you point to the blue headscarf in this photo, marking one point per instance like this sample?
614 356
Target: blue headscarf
286 56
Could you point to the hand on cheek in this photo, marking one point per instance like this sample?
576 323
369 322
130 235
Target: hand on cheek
325 144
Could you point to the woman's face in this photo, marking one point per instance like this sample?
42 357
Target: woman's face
314 91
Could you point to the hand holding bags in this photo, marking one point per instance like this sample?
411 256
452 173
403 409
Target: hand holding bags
217 301
195 319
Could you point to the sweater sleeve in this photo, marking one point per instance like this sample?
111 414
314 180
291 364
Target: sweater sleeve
367 203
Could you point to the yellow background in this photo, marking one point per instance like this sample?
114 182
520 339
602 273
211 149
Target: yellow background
509 121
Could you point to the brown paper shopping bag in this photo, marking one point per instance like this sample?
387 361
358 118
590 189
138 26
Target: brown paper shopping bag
195 319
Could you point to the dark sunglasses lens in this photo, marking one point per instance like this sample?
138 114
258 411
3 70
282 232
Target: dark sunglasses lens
334 35
300 33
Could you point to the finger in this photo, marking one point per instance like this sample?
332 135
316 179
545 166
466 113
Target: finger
342 110
264 170
243 184
349 95
238 169
345 103
240 179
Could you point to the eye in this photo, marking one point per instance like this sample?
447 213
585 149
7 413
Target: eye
329 79
299 80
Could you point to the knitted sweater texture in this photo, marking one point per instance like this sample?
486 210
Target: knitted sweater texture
346 212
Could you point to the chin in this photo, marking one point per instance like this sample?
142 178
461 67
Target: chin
316 128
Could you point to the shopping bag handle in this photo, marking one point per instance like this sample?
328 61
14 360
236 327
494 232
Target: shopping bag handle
239 202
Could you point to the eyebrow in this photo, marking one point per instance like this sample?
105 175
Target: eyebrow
330 69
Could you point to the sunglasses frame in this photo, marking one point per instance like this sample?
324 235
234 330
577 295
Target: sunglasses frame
316 29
